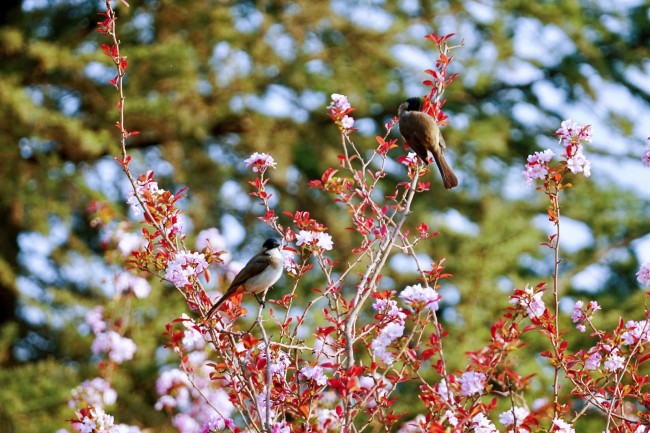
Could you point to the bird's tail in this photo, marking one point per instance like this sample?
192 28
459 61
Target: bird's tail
449 179
217 304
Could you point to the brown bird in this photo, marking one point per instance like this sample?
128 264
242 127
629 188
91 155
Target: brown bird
423 135
261 272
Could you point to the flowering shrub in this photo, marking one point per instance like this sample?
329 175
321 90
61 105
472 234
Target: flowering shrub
335 362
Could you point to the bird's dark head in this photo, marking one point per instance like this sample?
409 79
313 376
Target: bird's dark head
414 104
411 104
270 243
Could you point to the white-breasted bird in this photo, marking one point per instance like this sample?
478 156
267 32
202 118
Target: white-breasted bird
260 273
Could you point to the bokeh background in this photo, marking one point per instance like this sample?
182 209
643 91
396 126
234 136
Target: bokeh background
210 82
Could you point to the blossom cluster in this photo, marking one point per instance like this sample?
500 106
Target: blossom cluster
93 419
392 319
260 162
482 424
572 136
643 276
472 382
95 392
185 268
314 239
199 403
126 283
117 348
537 166
580 315
418 298
211 239
531 300
145 186
561 426
340 109
516 415
314 373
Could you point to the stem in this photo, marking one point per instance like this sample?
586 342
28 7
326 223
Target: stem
269 381
555 201
367 286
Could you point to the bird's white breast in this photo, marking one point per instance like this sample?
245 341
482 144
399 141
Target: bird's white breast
268 276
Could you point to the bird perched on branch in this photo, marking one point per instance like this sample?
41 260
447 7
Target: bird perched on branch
261 272
422 133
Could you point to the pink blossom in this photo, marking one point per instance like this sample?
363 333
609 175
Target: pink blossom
185 268
389 308
281 427
376 386
128 242
290 264
260 162
324 241
570 131
328 420
636 331
261 404
593 362
388 334
173 382
280 361
444 392
561 426
217 424
481 424
192 337
149 185
314 373
415 425
185 423
614 362
117 348
347 122
95 320
537 166
410 159
643 276
572 135
418 298
531 301
311 238
96 421
339 102
471 382
579 163
577 315
210 239
126 282
517 413
195 408
451 417
94 392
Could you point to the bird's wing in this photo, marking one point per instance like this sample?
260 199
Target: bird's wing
422 123
254 266
443 144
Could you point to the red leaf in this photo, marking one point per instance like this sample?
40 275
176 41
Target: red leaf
428 354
